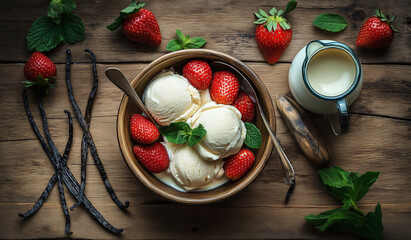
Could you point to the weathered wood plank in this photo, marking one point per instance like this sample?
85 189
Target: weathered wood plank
170 221
227 25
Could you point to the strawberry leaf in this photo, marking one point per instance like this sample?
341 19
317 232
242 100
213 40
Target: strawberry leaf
253 137
330 22
291 5
129 10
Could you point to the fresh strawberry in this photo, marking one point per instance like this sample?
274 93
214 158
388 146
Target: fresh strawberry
273 33
224 87
376 32
139 25
142 130
246 106
153 157
39 70
238 164
198 73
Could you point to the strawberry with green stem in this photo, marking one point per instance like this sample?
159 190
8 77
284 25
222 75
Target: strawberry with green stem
377 31
273 33
40 72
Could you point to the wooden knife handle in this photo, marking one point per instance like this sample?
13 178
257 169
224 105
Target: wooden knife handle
304 132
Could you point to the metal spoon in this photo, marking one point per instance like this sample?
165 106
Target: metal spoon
288 170
117 77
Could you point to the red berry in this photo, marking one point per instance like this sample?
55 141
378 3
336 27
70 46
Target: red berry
238 164
40 65
272 44
142 27
376 32
224 87
142 130
198 73
153 157
273 33
246 106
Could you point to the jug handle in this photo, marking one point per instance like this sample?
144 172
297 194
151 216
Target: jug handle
340 121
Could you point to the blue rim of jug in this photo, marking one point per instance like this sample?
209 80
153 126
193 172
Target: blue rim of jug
338 45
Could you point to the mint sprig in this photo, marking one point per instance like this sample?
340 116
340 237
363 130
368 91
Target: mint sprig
184 42
253 137
181 133
349 188
59 25
330 22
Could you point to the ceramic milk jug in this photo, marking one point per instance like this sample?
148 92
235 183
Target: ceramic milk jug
325 77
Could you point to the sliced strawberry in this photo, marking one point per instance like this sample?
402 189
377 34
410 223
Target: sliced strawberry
142 130
224 87
246 106
153 157
237 165
198 73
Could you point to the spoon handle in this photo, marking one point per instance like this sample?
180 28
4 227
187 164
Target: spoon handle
117 77
288 170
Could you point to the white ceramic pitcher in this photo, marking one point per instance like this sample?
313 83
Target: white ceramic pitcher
333 106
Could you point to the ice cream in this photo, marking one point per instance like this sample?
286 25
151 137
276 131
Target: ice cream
189 170
225 130
169 97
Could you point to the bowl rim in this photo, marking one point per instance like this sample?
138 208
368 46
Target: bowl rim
230 192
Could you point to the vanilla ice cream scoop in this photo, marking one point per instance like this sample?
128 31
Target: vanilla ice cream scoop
225 130
169 97
189 169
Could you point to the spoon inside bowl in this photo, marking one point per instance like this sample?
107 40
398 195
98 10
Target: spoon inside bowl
117 77
288 170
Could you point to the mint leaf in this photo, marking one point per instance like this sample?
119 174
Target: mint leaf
291 5
370 226
184 42
181 133
336 220
253 138
174 45
196 135
330 22
44 35
72 28
337 182
58 7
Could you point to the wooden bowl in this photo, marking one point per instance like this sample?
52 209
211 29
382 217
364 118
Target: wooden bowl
127 108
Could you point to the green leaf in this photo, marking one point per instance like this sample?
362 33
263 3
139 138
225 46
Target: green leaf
337 182
330 22
44 35
132 8
180 36
116 24
291 5
336 220
176 131
196 135
72 28
174 45
196 42
184 42
253 137
273 11
369 227
263 13
58 7
363 183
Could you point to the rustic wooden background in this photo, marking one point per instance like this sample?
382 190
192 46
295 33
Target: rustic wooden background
379 138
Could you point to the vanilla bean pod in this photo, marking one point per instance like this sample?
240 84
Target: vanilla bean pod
92 146
67 175
53 179
87 118
55 154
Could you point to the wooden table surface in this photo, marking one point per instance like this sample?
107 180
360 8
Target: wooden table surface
379 138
